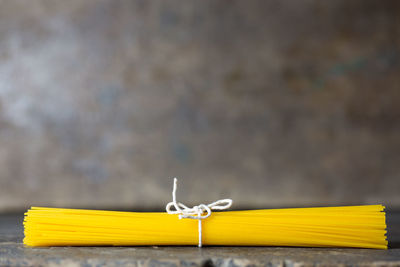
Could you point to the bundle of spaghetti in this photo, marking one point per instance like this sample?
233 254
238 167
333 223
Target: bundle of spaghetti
351 226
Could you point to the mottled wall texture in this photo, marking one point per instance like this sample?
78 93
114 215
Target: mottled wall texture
271 103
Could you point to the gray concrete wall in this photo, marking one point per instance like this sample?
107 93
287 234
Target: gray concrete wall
271 103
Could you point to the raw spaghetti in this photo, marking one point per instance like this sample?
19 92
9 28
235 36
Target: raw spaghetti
351 226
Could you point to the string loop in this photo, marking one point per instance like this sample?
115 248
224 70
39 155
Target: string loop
198 212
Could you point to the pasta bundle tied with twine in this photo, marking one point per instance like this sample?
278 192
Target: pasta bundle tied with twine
350 226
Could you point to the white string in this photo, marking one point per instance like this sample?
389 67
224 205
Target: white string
198 212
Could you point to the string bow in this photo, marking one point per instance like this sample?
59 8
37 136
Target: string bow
198 212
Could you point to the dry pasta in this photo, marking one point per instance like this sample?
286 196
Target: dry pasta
351 226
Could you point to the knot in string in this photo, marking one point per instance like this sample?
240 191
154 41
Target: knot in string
198 212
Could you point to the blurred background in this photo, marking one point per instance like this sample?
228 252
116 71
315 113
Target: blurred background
270 103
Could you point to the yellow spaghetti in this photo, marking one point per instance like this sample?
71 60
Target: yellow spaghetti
352 226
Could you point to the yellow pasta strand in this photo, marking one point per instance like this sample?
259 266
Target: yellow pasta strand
351 226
